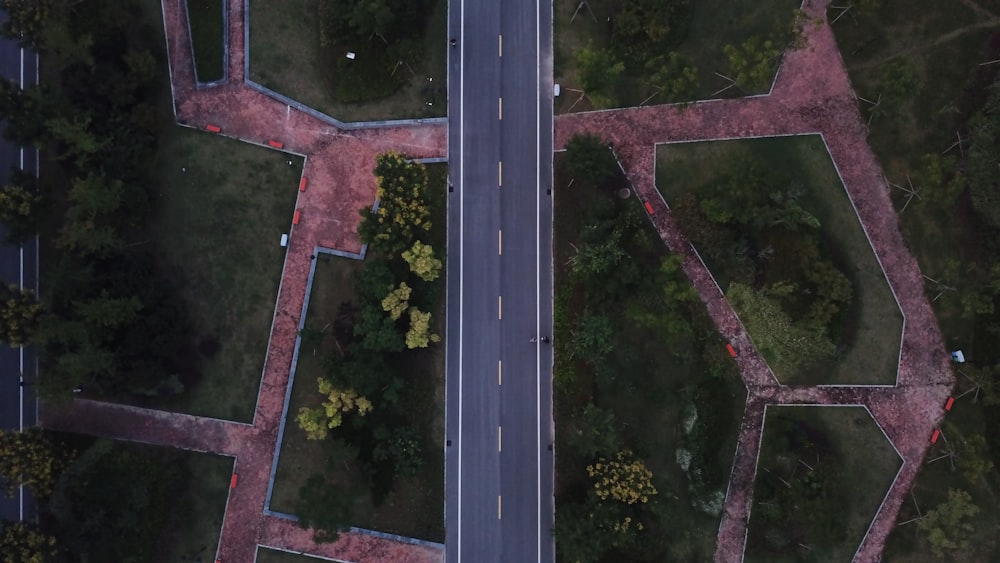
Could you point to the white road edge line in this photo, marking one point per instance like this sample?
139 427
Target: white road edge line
461 258
20 387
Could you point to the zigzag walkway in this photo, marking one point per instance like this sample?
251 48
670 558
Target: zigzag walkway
812 94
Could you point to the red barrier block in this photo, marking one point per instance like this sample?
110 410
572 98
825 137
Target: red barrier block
731 350
276 144
233 480
295 218
302 184
649 207
934 436
948 405
213 128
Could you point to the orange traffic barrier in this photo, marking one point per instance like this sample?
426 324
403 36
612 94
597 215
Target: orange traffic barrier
731 350
213 128
649 207
276 144
233 480
295 218
951 401
302 184
934 436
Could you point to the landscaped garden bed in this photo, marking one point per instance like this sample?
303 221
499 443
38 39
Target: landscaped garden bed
776 228
643 384
207 22
384 464
300 48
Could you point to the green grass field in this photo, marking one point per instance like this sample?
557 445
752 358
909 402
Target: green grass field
222 208
871 356
286 56
714 23
858 462
193 535
206 19
265 555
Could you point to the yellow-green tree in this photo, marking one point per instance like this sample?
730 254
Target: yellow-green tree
422 261
318 421
420 335
948 527
20 313
403 213
20 206
397 301
21 542
31 458
624 479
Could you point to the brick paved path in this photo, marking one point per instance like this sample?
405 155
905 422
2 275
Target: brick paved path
812 94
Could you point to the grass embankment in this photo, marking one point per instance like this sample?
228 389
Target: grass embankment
821 476
413 506
710 25
940 48
287 56
870 328
207 32
662 387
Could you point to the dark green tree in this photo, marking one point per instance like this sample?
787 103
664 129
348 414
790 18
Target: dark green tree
593 431
589 159
26 21
673 76
983 159
599 72
592 338
948 527
324 508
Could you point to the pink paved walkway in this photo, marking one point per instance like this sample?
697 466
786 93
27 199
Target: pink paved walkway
811 95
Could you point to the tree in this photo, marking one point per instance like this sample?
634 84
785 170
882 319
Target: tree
948 527
324 508
21 542
972 457
596 259
20 315
319 420
592 338
32 459
589 159
422 261
399 446
580 535
398 301
786 346
377 331
984 158
26 21
599 74
403 213
593 430
752 64
623 479
20 206
674 77
26 112
420 335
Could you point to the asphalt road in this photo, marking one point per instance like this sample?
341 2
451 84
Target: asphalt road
18 265
499 465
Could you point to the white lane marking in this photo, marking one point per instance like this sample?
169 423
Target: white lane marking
499 507
500 242
461 258
500 44
499 372
500 108
499 173
499 438
500 307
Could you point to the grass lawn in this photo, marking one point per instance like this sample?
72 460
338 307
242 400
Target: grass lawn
656 378
193 534
207 23
870 351
286 56
222 209
414 506
852 467
714 23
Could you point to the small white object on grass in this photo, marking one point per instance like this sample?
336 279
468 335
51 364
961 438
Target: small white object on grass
958 356
351 55
284 239
183 169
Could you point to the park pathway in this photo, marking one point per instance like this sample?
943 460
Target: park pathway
811 95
